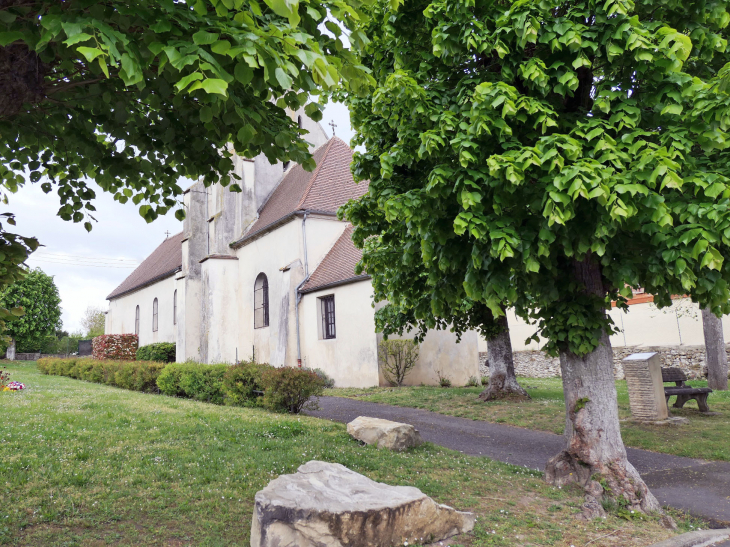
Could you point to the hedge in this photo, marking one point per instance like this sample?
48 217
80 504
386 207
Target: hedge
163 352
118 347
284 389
133 375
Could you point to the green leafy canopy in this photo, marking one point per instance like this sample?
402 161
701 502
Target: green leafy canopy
37 295
136 94
509 144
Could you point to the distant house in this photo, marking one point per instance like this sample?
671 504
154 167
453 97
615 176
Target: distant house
270 272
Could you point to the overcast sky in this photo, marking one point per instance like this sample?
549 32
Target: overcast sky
89 266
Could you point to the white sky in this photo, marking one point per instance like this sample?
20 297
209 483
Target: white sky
89 266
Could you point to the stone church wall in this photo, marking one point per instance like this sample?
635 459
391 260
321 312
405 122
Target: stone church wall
537 364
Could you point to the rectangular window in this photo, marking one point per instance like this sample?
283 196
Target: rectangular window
327 313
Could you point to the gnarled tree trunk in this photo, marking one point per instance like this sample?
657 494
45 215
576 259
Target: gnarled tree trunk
595 456
502 380
715 354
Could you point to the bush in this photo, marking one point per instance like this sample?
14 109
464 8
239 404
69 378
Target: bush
485 380
134 375
443 380
473 382
241 381
118 347
163 352
289 389
397 358
193 380
329 382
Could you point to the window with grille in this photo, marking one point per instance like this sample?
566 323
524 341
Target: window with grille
136 321
174 307
327 312
261 302
154 315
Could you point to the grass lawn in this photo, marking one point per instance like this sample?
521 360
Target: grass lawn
705 437
87 464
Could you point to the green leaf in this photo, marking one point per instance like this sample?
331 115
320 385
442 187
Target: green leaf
203 38
10 37
672 109
221 47
243 73
283 78
206 114
215 85
75 39
187 80
90 53
246 134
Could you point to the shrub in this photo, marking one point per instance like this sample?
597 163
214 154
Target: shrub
329 382
162 352
473 382
117 347
443 380
397 358
485 380
194 380
289 389
241 381
134 375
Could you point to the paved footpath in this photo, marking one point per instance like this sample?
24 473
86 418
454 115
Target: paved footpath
702 488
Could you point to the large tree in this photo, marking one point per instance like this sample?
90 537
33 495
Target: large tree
135 94
37 295
551 155
715 350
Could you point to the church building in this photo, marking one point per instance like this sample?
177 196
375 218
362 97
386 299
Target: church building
269 273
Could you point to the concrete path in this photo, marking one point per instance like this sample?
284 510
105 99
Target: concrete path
702 488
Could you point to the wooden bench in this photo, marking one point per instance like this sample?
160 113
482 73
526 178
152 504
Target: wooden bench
684 392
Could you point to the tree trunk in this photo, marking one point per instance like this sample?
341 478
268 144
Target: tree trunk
715 354
595 456
502 380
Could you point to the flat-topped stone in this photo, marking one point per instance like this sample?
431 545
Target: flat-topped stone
384 433
328 505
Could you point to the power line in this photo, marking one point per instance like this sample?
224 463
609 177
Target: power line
84 261
82 257
84 264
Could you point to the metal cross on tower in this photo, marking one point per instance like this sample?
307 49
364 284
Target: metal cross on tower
167 234
332 124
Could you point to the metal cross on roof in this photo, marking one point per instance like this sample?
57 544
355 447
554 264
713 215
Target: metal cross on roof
167 234
332 124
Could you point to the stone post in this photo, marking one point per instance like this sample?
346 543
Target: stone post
643 372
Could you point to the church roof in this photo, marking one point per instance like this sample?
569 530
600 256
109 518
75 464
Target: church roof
163 262
338 266
324 190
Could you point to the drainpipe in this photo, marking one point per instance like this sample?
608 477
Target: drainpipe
298 296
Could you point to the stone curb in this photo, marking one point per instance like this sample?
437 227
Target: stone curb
702 538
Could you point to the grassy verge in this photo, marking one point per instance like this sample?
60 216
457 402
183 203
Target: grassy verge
87 464
704 437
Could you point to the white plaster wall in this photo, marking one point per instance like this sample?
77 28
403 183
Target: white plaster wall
322 234
441 353
269 254
643 324
120 317
351 358
220 288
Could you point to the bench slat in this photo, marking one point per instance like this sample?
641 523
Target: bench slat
686 390
673 374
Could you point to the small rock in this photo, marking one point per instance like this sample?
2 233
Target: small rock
668 522
592 509
384 433
327 505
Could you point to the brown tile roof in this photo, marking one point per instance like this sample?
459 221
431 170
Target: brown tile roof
338 265
324 190
163 262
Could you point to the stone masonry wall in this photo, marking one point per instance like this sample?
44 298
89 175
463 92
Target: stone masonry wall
537 364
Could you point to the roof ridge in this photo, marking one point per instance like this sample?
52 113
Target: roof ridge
314 175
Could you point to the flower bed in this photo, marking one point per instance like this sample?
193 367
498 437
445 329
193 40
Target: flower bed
6 384
14 386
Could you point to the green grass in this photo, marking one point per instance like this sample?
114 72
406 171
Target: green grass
87 464
705 436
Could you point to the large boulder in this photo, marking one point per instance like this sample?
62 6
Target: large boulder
327 505
384 433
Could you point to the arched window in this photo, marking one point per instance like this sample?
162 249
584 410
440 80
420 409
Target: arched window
174 308
154 315
261 302
136 321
